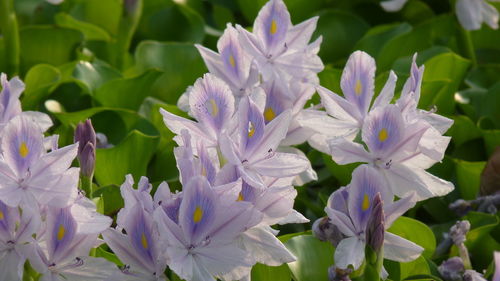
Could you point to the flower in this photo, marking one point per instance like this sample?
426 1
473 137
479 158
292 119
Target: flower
202 240
280 49
87 142
393 149
31 176
350 209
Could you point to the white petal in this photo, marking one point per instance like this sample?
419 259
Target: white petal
469 13
266 248
387 93
350 251
399 249
345 152
393 5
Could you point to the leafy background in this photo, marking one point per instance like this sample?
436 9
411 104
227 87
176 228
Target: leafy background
96 59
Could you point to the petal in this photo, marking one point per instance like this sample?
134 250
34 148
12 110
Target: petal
387 93
92 269
358 81
120 244
22 144
396 209
235 61
211 102
383 130
197 209
251 126
341 220
490 15
350 251
393 5
338 107
11 266
346 152
62 229
265 248
272 24
399 249
298 36
469 13
282 165
176 124
366 183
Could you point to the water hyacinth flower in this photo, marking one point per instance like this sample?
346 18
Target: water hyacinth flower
280 49
30 175
470 13
10 106
140 248
68 236
496 276
212 104
393 149
232 64
256 156
348 113
350 209
16 231
203 244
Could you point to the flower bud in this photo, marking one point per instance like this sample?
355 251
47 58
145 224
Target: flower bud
325 231
338 274
375 227
86 138
452 269
459 231
472 275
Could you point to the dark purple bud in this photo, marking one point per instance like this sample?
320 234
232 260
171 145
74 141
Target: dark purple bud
490 177
459 231
338 274
325 231
452 269
86 138
375 228
472 275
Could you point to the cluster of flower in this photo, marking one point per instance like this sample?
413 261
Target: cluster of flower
43 216
397 141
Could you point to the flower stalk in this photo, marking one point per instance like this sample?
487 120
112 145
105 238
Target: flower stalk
10 32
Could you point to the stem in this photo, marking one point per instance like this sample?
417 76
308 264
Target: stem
467 46
464 255
86 185
10 30
132 10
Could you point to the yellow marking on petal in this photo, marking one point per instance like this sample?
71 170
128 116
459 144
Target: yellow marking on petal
61 232
366 203
358 88
23 150
231 61
197 214
240 197
273 28
1 215
251 129
144 242
214 108
383 135
203 171
269 114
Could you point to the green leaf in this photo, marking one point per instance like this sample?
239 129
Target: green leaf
127 92
48 44
468 178
181 65
101 253
93 75
261 272
463 130
374 40
39 81
340 30
416 232
90 31
313 258
131 156
103 13
491 140
111 197
446 67
481 225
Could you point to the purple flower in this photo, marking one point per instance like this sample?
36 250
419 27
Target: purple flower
350 209
29 175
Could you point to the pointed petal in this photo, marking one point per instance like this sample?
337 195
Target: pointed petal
387 93
266 248
272 24
350 251
346 152
282 165
399 249
469 14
